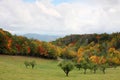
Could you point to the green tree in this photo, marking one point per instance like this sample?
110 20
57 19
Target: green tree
27 64
66 66
85 65
78 65
95 67
103 67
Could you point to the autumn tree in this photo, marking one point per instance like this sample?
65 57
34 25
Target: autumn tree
5 42
67 53
113 57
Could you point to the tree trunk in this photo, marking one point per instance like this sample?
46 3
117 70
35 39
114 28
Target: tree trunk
104 71
94 71
84 71
67 73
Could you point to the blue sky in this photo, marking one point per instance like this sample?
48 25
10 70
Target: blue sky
55 17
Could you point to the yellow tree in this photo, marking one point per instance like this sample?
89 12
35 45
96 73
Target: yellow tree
80 54
114 56
68 53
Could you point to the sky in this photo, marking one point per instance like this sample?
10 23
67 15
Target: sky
60 17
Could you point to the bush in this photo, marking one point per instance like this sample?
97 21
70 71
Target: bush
27 64
32 64
66 66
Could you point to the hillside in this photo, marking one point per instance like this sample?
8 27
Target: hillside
20 45
95 48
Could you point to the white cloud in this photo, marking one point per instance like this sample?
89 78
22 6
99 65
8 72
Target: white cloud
42 16
46 10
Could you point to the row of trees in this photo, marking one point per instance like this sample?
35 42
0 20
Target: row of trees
67 66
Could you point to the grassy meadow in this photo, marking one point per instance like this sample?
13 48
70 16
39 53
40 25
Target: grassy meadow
13 68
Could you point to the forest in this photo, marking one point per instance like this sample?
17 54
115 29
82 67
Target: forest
96 48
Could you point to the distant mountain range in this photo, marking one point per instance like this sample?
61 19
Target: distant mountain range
42 37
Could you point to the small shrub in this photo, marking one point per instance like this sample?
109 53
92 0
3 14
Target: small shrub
32 64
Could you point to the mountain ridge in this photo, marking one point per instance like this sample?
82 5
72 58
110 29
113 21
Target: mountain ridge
42 37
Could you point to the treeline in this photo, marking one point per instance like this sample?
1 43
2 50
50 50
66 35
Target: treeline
19 45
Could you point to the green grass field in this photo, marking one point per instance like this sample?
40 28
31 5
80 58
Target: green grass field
12 68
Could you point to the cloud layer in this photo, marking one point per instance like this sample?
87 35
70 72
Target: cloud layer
46 17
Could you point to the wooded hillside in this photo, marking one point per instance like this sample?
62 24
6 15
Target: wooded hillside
76 41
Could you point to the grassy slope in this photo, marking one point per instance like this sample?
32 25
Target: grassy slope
12 68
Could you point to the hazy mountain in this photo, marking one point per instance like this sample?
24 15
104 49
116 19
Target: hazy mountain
42 37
